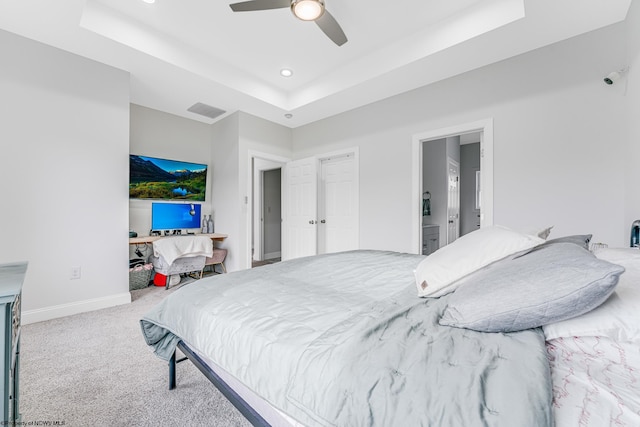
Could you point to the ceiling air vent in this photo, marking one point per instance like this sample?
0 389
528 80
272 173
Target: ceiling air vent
206 110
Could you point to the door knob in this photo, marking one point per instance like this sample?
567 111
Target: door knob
323 221
312 222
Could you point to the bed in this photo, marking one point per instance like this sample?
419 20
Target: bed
382 338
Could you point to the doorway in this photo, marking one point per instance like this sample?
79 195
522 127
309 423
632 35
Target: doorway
266 212
319 205
321 208
271 216
444 217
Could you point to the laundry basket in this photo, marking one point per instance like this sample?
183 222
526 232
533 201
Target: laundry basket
140 276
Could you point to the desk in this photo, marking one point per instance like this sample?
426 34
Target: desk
150 239
217 258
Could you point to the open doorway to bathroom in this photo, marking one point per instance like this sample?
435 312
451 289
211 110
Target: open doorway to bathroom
453 183
451 190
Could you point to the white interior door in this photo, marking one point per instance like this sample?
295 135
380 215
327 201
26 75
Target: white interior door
453 200
301 188
337 205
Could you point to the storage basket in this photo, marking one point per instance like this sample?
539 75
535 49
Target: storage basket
139 278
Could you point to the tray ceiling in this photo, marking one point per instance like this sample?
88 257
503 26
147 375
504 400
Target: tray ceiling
181 52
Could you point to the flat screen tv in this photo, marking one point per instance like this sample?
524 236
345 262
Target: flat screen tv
154 178
175 216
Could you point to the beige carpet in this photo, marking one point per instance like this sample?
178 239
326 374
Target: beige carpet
95 369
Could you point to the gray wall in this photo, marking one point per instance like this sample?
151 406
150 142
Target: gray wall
64 164
565 155
235 138
559 136
157 134
225 146
629 91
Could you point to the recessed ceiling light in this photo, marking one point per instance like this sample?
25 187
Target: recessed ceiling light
288 115
149 1
286 72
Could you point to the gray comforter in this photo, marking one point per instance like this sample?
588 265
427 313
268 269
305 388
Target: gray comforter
343 340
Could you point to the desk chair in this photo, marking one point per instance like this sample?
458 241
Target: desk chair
217 258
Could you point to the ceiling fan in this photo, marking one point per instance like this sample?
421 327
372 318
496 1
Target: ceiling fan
306 10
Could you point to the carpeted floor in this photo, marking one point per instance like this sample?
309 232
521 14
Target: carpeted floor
95 369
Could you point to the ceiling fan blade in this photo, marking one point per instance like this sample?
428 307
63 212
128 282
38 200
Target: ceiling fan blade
331 28
248 6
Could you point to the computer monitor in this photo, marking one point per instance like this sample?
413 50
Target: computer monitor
175 216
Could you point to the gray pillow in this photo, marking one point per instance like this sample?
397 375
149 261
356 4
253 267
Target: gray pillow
581 240
555 282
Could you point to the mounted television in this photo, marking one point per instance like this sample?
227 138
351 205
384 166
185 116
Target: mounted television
175 216
154 178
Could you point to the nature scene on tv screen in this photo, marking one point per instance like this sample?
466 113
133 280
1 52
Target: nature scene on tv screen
153 178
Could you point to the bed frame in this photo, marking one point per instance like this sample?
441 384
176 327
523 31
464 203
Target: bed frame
236 400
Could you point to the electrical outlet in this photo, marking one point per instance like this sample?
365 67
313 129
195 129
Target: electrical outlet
75 273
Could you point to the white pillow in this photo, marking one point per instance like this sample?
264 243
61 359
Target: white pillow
618 317
437 274
541 232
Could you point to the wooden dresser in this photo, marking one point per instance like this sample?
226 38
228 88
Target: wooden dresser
11 279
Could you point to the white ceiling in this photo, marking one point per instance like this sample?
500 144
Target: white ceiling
180 52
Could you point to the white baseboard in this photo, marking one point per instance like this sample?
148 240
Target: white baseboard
271 255
62 310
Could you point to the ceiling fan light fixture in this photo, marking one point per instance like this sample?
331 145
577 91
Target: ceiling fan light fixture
307 10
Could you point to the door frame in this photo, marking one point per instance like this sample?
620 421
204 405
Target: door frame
250 202
485 126
259 168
